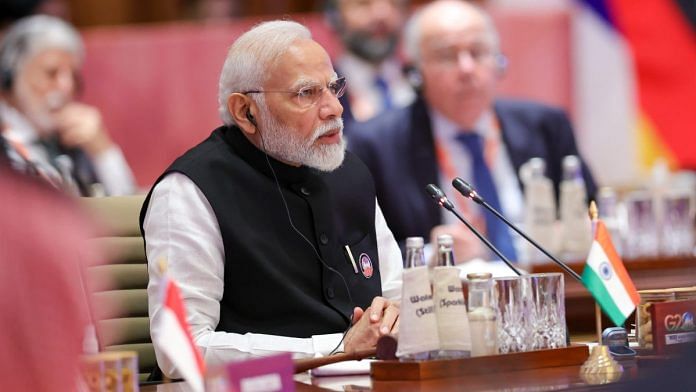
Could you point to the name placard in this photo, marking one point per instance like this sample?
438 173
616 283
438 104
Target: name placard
672 325
268 374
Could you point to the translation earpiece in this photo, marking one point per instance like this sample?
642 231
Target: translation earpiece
251 118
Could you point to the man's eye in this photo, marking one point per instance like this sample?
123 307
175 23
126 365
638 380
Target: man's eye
308 92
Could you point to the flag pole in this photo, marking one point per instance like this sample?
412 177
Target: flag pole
594 216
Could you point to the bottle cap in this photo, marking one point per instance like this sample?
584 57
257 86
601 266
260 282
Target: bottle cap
445 240
414 242
479 275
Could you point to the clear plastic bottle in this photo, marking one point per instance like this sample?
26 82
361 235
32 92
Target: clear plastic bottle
540 210
450 306
576 225
445 253
418 334
482 315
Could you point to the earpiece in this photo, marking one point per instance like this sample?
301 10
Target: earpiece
251 118
6 79
501 63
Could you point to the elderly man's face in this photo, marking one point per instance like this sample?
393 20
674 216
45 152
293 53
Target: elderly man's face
297 133
458 62
45 83
371 28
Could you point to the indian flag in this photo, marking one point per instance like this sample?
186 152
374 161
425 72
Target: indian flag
606 278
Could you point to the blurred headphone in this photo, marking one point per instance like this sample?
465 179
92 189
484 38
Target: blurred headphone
10 53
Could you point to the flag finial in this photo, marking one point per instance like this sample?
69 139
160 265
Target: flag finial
162 265
594 213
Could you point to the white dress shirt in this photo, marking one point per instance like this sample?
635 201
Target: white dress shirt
181 228
365 97
110 166
503 172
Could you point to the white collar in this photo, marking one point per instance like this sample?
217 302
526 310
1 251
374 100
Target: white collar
446 129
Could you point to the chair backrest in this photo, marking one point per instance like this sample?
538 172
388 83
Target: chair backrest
118 286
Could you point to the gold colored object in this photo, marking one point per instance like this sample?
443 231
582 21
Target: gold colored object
593 211
600 367
112 371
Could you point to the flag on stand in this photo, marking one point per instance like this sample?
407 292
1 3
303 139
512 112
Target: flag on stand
173 336
606 278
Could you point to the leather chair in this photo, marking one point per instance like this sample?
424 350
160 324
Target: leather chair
118 285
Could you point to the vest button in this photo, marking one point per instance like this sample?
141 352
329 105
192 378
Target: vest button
324 239
304 191
330 292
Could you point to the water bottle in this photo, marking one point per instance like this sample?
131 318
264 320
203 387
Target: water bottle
418 334
576 227
539 210
450 307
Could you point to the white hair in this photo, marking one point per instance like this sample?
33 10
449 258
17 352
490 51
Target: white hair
252 55
33 34
413 34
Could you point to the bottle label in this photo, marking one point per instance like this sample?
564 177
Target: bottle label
418 325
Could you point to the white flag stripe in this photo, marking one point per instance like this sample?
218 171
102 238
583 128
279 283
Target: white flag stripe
174 342
614 285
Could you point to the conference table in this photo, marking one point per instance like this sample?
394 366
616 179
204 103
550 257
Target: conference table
646 274
547 379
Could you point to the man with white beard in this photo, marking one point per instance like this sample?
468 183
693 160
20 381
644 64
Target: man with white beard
270 227
47 132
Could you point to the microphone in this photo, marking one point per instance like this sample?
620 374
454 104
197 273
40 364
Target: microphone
440 198
469 192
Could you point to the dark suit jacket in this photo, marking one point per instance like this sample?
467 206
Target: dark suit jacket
398 148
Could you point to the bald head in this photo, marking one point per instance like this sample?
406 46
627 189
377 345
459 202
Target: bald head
443 18
455 46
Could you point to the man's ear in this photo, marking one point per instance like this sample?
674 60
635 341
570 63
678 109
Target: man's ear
241 108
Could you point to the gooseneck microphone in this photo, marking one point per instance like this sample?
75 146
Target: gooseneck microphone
469 192
441 199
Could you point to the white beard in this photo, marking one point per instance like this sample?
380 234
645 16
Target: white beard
37 110
284 144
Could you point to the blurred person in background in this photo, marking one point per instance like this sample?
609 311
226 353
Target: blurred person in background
370 32
44 309
458 128
47 130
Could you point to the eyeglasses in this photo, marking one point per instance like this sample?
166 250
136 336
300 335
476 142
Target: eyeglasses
309 95
448 56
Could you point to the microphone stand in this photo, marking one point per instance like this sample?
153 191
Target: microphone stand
441 199
468 191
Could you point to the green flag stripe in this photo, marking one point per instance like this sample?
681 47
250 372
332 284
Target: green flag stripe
595 285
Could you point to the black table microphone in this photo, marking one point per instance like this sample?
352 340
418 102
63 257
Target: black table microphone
441 199
469 192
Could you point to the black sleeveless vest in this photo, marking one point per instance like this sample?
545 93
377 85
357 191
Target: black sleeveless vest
274 282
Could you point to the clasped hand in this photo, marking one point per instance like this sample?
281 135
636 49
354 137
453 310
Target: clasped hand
381 318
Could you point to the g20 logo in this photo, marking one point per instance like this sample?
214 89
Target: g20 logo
680 322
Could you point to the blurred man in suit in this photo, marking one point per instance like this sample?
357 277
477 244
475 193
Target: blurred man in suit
270 227
457 127
47 130
370 31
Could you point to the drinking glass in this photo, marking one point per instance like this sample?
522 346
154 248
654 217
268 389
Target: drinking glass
677 224
547 311
642 239
513 314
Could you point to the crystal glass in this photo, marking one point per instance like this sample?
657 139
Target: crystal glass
677 237
512 296
642 238
547 311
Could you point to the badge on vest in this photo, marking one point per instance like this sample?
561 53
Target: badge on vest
366 265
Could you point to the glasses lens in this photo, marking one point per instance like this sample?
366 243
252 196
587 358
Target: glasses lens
338 87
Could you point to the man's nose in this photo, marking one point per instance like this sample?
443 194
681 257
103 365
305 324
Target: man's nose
330 106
